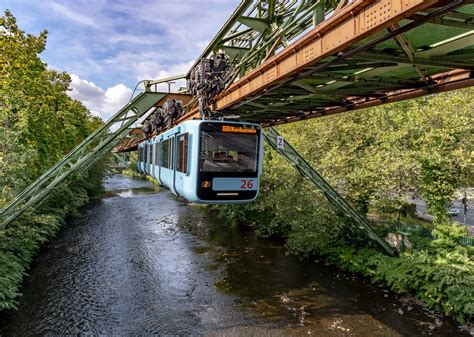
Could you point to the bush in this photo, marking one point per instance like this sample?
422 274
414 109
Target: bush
22 239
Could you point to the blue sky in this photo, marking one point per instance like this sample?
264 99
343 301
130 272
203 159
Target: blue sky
109 45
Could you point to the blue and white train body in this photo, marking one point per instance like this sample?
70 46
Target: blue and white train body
206 161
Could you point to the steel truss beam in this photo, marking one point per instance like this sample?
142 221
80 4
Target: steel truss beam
447 21
121 161
454 80
305 169
443 62
290 64
99 143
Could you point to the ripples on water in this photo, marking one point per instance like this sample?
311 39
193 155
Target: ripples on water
139 263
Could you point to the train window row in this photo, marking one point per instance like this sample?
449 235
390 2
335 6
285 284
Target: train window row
164 153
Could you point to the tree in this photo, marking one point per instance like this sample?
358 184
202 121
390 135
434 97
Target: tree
40 122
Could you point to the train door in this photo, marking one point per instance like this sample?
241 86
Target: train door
153 160
181 162
158 162
147 162
173 164
145 158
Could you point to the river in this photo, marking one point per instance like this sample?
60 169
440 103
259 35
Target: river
140 262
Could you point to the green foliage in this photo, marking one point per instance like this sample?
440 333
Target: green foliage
442 279
40 124
378 158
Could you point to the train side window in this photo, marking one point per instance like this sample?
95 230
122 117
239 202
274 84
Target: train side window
157 154
182 160
152 154
147 155
150 150
144 154
171 153
165 153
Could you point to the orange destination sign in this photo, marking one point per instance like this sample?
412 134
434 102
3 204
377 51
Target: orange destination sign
229 128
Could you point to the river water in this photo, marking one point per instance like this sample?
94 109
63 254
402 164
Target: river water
140 262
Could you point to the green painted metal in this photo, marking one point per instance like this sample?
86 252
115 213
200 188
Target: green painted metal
305 169
467 241
99 143
259 25
258 28
148 83
120 159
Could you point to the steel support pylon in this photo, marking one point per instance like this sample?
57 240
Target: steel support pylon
96 145
305 169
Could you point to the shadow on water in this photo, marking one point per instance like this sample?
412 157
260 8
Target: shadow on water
139 263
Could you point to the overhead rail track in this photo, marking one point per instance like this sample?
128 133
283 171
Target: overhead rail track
367 53
292 60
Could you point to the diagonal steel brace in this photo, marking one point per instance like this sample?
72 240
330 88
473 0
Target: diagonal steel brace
305 169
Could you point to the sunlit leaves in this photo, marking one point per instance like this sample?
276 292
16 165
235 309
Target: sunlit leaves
39 125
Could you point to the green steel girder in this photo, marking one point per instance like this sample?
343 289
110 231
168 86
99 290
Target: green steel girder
447 21
235 52
83 156
305 169
120 159
258 28
257 24
442 62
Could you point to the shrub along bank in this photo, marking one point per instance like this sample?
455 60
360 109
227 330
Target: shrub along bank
378 159
40 124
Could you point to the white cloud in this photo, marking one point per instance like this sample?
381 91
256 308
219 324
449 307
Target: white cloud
102 103
73 15
149 39
122 41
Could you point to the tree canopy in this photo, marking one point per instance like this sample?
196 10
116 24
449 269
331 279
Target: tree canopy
40 122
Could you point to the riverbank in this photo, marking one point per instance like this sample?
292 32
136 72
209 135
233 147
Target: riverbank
433 266
141 262
23 239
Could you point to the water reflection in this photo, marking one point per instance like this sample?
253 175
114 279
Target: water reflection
140 263
304 297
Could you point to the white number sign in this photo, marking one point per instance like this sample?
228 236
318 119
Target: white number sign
280 142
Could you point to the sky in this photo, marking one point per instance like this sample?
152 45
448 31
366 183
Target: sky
107 46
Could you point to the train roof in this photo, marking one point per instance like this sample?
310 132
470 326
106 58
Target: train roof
195 122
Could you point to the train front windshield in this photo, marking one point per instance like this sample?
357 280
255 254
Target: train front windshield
228 152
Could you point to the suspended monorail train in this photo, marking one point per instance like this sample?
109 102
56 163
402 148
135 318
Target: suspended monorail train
206 161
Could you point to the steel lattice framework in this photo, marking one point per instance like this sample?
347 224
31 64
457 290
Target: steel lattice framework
304 168
298 59
295 60
99 143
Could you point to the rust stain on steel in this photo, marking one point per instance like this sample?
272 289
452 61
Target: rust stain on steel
452 80
352 24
